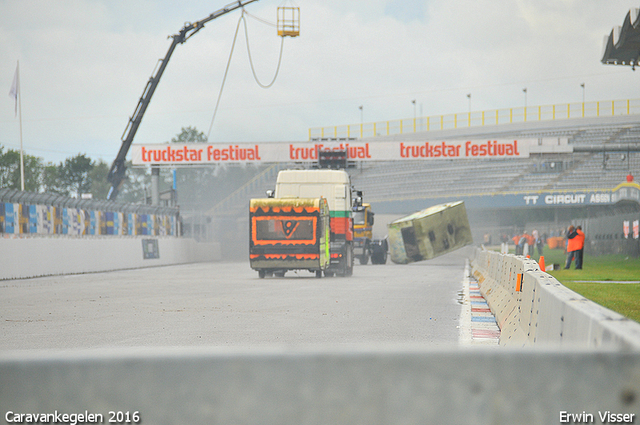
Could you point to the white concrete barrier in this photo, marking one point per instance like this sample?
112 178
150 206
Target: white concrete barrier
27 257
348 385
532 307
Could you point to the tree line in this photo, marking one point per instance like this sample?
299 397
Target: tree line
80 174
72 177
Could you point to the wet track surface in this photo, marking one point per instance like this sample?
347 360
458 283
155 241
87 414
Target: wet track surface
226 304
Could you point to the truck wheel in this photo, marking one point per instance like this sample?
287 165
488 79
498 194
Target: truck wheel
327 273
349 261
318 273
261 274
364 259
379 258
379 252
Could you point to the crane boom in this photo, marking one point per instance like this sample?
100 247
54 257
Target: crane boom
118 168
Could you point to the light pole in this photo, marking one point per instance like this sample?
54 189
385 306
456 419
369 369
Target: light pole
469 97
525 103
414 115
582 85
361 107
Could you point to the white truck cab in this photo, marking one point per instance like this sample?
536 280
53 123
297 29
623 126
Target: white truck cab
335 187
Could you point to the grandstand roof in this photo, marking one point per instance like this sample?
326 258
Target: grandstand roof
622 46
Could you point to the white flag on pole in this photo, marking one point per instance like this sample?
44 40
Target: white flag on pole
14 90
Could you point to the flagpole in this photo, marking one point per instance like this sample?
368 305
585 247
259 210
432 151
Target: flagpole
20 119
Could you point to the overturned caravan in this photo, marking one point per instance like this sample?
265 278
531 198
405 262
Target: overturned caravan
289 234
429 233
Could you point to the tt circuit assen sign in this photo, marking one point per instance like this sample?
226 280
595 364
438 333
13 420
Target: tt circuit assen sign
216 153
568 199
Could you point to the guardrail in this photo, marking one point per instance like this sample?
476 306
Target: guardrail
533 308
479 119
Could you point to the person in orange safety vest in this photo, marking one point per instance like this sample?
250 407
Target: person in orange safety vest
531 241
580 245
516 241
575 243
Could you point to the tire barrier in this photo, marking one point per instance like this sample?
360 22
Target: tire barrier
532 308
23 219
24 213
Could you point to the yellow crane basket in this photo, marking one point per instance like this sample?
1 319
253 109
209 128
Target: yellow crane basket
288 21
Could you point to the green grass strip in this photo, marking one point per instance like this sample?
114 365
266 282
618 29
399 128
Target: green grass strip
612 281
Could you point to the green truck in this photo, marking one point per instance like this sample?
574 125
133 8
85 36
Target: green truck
429 233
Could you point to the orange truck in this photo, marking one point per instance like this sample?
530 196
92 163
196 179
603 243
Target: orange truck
289 234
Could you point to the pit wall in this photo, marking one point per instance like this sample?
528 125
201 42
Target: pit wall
532 308
27 257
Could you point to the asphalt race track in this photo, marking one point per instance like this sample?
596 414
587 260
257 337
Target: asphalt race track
226 304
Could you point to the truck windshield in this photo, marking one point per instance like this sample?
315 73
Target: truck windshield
358 217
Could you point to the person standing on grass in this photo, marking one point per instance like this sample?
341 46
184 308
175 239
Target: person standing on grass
531 241
572 246
522 243
538 242
516 241
580 245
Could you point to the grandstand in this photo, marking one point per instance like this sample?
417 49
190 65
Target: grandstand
605 151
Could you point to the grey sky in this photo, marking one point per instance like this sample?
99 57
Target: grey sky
84 64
